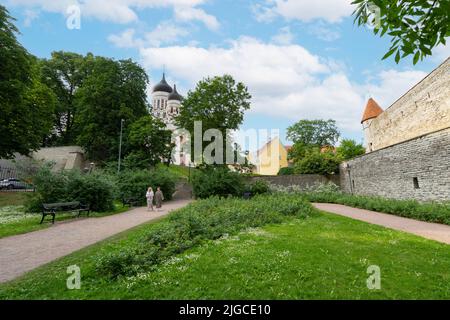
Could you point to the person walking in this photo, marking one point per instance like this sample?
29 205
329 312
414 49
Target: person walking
159 197
150 194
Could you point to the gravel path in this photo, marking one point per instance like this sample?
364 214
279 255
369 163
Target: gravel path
22 253
433 231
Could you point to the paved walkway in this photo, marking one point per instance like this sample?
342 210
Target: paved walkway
22 253
433 231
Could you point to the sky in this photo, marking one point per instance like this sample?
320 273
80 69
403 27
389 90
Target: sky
300 59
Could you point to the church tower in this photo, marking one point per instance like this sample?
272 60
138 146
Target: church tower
372 111
166 106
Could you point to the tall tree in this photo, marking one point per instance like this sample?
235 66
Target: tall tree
64 73
149 143
26 104
114 90
307 134
350 149
416 26
219 103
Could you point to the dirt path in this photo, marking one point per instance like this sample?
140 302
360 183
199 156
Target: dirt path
433 231
22 253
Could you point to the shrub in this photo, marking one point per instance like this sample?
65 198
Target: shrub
286 171
95 190
133 184
216 181
316 162
203 220
258 187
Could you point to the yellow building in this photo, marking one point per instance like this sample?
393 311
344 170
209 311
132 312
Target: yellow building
270 158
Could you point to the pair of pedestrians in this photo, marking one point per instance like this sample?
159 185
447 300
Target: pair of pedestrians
158 196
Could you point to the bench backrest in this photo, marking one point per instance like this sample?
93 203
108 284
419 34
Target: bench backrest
61 205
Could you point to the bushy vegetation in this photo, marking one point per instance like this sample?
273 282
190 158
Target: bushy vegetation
258 187
330 193
133 184
286 171
95 189
219 181
203 220
316 162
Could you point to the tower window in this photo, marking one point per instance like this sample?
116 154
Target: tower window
416 183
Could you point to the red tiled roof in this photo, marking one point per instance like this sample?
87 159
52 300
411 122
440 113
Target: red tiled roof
372 110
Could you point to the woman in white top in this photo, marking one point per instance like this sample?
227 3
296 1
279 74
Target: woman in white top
150 194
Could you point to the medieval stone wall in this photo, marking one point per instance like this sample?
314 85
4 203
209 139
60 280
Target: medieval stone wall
423 109
415 169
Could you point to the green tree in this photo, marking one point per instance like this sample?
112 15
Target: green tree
307 134
64 73
316 162
218 102
416 26
114 90
149 143
26 104
350 149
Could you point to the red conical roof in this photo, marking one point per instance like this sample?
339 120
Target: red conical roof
372 110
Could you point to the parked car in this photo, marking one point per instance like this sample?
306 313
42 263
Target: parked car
13 183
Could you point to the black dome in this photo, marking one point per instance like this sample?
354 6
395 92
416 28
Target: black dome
163 86
174 95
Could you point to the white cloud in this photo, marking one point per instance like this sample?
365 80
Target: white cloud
123 11
441 53
392 84
164 33
284 37
30 16
284 80
304 10
126 39
324 32
192 14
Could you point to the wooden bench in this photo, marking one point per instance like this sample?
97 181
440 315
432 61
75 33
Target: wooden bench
132 202
50 209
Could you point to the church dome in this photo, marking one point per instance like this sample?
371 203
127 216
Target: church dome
174 95
163 86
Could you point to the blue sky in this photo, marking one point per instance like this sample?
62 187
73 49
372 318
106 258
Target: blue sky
300 59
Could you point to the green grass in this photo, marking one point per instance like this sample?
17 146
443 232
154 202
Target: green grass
14 221
181 171
12 198
424 211
323 257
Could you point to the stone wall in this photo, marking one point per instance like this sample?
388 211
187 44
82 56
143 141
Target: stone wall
423 109
301 180
415 169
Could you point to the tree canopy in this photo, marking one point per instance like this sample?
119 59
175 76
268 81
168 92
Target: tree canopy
219 103
114 90
149 143
416 26
350 149
26 104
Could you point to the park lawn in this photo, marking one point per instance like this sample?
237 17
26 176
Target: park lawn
16 221
323 257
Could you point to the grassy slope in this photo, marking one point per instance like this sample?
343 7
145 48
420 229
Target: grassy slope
324 257
12 198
